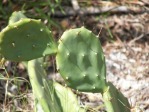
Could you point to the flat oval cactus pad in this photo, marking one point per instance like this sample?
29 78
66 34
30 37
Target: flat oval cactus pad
25 40
80 60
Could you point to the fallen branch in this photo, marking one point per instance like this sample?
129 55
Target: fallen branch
96 11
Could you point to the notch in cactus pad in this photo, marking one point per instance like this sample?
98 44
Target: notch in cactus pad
80 60
25 40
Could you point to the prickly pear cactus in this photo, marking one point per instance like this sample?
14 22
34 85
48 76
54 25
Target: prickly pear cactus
51 96
42 89
67 98
26 39
114 100
80 60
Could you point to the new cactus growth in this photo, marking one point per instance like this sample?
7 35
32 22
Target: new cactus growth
16 16
26 39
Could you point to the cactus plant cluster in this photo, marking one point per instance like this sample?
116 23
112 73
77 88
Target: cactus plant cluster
79 59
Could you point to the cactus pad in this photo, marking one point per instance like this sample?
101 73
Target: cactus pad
80 60
67 98
50 95
25 40
114 100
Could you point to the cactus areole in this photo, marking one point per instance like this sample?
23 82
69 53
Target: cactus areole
25 40
80 60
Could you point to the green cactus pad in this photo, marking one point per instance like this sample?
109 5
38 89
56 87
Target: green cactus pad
50 95
25 40
80 60
114 100
67 98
